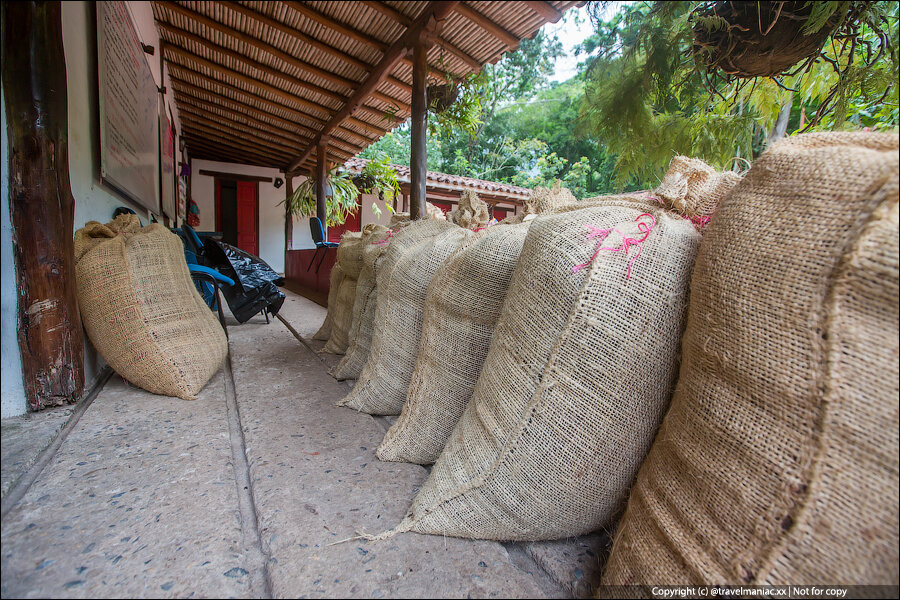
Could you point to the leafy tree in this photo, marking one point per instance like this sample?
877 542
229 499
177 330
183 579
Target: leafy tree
652 92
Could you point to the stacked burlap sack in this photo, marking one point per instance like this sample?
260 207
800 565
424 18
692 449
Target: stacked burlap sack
777 461
335 289
577 377
461 309
401 288
349 259
363 320
141 310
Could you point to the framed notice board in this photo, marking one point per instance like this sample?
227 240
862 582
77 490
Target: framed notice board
129 117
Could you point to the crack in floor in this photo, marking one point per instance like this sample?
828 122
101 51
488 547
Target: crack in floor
254 551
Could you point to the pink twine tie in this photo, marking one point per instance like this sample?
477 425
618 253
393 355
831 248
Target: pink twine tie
386 240
627 242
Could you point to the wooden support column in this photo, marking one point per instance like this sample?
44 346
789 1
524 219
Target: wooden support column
418 153
41 203
288 217
321 175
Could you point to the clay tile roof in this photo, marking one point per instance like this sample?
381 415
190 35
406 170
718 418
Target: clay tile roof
257 82
452 183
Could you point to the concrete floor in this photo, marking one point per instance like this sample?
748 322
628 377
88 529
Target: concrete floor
242 493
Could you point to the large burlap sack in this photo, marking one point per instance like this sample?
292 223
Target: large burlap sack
349 259
461 310
334 285
692 187
402 285
777 461
577 378
543 201
141 310
575 382
363 321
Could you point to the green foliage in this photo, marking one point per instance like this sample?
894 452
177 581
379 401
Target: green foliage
341 203
646 99
378 177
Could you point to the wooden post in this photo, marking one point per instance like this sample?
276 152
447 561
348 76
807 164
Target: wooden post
288 217
321 176
41 203
418 153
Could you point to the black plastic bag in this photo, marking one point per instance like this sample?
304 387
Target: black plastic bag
255 281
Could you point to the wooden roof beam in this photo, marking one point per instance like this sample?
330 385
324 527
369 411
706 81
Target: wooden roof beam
199 139
205 132
342 28
236 126
390 12
195 95
265 101
435 13
508 38
464 56
250 81
260 45
214 151
237 56
296 34
545 10
235 136
181 69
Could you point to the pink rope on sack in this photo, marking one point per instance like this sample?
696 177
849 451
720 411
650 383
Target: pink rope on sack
627 242
699 222
386 240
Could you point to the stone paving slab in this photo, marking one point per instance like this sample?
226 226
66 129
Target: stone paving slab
139 501
576 563
316 481
24 437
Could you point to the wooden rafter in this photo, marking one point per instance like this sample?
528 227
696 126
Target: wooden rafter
390 12
274 105
184 35
508 38
237 126
202 148
435 12
212 134
342 28
545 10
261 45
247 80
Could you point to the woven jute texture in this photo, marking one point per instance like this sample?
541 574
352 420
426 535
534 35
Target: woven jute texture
691 187
141 310
576 379
777 461
402 285
349 258
471 212
461 310
543 201
334 285
363 321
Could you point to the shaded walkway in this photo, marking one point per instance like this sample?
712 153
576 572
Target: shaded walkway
240 493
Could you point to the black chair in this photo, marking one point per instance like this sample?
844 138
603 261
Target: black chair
317 231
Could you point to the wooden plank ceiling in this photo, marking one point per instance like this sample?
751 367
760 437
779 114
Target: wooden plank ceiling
261 82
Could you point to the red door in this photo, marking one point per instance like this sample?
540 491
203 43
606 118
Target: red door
247 217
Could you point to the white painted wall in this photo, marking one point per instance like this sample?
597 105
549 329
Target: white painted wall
94 201
271 213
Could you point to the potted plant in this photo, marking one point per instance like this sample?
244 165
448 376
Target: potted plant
379 177
341 203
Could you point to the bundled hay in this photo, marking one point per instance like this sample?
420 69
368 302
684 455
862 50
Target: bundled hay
402 284
471 212
576 380
461 310
141 310
373 256
777 462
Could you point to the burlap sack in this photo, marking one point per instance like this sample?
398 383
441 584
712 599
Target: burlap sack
543 201
141 310
461 311
349 258
471 212
576 380
402 285
692 187
364 305
334 285
777 462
